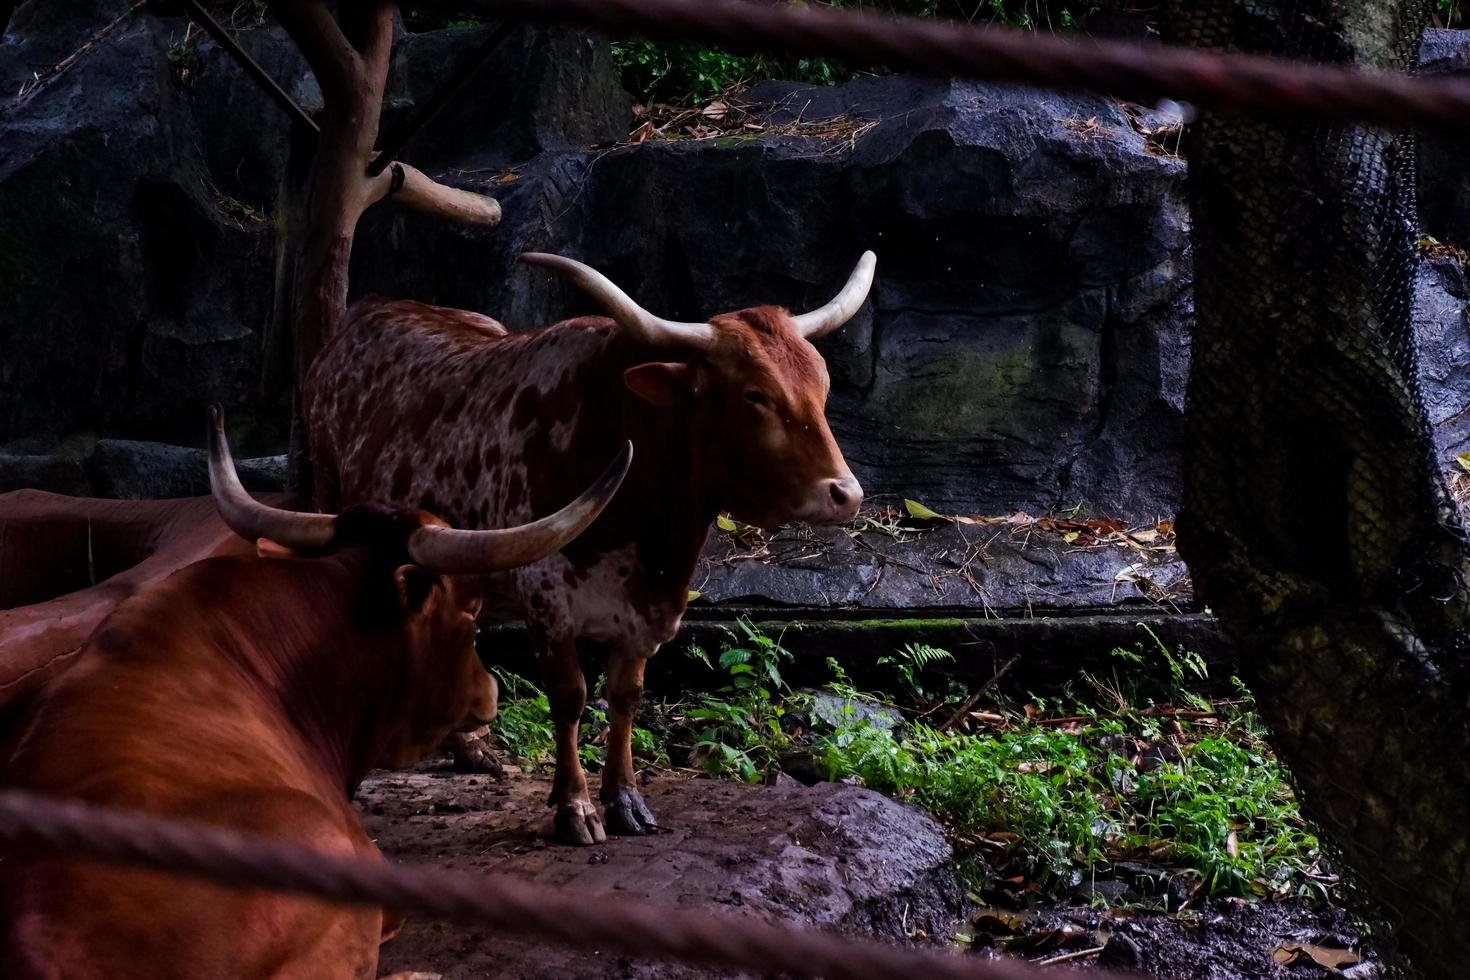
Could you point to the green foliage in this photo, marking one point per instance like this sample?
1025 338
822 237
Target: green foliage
1153 674
1200 798
741 732
683 74
909 662
183 56
523 727
1222 813
523 722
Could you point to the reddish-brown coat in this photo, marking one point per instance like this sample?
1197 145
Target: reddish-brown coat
411 406
249 692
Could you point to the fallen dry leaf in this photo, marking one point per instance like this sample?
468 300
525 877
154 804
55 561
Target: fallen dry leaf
1327 957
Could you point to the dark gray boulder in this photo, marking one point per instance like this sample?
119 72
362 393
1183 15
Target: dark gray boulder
830 855
1442 327
539 91
1444 191
137 289
975 567
130 470
55 472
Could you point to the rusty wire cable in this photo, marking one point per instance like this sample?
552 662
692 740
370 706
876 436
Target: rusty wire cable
1266 87
521 910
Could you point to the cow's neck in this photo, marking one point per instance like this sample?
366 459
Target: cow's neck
686 488
331 678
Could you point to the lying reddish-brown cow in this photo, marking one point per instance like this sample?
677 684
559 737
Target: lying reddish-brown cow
423 406
66 562
256 692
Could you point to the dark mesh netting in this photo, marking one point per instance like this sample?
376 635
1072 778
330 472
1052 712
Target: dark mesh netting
1316 520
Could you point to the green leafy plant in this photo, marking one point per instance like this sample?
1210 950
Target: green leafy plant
522 724
910 662
1067 808
742 732
686 74
1061 793
183 56
1153 674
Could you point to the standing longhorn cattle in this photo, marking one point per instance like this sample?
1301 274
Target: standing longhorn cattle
424 406
255 692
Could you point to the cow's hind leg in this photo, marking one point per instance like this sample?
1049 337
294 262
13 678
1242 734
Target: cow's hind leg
626 812
577 820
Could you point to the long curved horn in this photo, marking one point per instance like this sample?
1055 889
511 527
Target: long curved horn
448 551
250 518
825 319
620 306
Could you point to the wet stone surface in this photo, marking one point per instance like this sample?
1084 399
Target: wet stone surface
830 855
981 567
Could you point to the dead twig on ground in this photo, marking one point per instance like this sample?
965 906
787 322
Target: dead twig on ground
974 699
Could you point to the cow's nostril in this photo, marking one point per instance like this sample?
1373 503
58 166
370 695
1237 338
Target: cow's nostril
839 493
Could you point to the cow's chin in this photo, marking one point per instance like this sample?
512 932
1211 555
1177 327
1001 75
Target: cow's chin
822 514
818 512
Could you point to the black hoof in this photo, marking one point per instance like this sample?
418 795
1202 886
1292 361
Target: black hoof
628 816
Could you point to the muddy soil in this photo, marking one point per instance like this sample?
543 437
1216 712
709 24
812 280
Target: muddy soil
829 854
1224 939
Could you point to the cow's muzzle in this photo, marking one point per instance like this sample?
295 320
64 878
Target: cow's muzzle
834 501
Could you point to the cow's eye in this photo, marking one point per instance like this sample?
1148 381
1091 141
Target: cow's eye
756 397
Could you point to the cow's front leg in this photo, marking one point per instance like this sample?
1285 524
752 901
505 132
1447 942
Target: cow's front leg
474 751
626 812
471 745
577 820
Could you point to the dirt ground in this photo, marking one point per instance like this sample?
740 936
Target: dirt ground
828 854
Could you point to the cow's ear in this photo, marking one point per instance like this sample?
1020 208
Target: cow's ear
266 548
415 586
660 383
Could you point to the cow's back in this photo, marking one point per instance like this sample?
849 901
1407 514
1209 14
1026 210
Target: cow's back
410 406
407 407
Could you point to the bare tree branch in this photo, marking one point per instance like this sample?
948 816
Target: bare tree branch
368 28
423 194
333 60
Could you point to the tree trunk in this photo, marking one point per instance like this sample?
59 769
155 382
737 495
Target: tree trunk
1316 521
349 55
278 355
